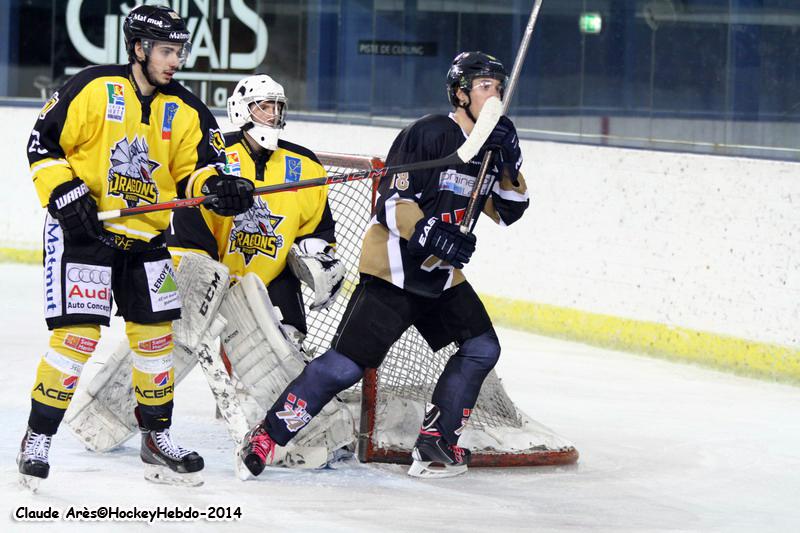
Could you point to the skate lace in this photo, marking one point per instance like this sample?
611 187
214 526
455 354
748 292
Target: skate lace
262 445
37 446
167 445
458 452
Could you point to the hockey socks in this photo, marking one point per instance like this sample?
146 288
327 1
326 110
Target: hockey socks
304 398
460 383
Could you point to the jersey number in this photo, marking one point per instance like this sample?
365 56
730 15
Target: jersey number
400 181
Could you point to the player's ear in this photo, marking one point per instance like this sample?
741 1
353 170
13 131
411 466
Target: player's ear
138 50
462 97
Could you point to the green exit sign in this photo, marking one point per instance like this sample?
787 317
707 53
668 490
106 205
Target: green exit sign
590 23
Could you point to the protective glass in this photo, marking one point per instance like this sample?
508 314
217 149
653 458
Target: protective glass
487 85
148 45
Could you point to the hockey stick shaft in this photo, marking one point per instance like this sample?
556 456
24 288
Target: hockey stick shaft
492 110
470 214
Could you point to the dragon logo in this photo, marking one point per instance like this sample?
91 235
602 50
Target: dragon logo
254 232
131 174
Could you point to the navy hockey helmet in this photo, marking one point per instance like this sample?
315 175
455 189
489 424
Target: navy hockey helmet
155 23
470 65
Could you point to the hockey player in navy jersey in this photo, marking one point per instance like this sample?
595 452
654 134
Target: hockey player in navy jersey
413 253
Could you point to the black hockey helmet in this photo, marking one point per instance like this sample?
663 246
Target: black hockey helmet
155 23
470 65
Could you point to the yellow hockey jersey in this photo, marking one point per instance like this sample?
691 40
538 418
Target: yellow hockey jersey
129 149
259 240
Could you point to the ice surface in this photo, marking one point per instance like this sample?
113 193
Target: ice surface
664 447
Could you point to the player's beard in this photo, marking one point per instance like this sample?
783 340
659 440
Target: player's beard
153 76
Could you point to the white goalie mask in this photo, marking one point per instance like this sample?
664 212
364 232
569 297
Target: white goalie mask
258 107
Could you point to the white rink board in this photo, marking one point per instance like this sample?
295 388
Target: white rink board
702 242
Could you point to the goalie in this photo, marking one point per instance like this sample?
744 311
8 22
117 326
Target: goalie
283 239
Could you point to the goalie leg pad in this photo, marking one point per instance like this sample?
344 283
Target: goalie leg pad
101 413
265 360
202 283
220 383
259 349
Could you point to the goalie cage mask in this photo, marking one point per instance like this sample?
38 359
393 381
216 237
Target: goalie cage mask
258 89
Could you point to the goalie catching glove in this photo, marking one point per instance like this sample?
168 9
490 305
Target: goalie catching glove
312 262
443 240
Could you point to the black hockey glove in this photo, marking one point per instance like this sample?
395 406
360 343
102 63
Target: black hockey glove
234 195
442 239
504 141
72 205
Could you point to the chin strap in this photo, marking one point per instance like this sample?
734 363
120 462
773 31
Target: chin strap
143 63
466 105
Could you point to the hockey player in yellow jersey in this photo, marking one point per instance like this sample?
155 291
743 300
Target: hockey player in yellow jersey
119 136
279 227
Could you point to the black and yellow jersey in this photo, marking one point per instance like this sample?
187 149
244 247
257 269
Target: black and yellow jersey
259 240
129 149
444 192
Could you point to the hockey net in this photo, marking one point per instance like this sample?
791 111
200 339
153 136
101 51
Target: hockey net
393 398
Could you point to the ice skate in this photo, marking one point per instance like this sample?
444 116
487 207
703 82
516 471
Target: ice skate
433 456
32 459
256 452
166 462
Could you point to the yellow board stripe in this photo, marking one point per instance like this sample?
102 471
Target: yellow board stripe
750 358
16 255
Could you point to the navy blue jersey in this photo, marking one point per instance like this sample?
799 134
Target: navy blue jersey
443 192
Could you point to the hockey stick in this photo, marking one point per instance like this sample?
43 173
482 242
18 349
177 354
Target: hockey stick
470 214
489 116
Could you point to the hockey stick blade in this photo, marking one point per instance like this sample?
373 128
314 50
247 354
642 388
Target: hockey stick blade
491 112
487 120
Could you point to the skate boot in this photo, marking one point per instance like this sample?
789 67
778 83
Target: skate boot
256 452
433 456
32 459
166 462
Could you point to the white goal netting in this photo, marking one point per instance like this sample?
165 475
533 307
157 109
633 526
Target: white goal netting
393 398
